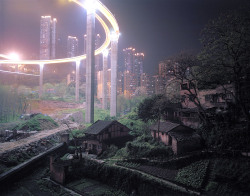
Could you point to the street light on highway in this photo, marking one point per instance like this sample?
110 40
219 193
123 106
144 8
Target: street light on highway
14 56
90 5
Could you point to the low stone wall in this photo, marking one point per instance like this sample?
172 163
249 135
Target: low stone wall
17 172
31 149
125 179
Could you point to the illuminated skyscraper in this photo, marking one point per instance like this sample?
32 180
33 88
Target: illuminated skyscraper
160 84
138 66
47 38
72 46
129 54
148 83
53 38
133 68
130 84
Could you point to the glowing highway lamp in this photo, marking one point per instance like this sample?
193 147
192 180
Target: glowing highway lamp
105 53
114 36
90 5
14 56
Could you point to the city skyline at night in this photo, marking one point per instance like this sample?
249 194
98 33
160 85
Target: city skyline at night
21 31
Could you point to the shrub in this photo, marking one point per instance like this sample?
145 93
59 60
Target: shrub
146 146
34 124
109 152
194 174
211 186
76 133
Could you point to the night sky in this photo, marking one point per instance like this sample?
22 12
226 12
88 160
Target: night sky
159 28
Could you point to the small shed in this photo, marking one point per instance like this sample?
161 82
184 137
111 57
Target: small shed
102 134
181 138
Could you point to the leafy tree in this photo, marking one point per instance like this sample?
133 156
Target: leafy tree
173 90
125 105
225 54
155 109
149 109
186 72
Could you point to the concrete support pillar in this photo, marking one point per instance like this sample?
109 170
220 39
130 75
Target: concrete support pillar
114 53
90 66
77 80
41 81
16 75
105 80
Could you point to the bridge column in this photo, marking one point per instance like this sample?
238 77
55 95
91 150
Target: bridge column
105 80
41 81
77 81
90 66
16 75
114 52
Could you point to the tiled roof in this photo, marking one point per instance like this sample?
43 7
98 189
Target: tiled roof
99 126
180 132
164 126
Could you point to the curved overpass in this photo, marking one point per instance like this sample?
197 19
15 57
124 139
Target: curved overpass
108 31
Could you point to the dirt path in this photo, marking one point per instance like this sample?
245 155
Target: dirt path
52 107
8 146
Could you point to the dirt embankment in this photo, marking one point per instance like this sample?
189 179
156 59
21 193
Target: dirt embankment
52 107
8 146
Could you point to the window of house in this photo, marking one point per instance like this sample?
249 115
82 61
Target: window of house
215 98
89 145
229 96
184 86
191 97
183 98
208 98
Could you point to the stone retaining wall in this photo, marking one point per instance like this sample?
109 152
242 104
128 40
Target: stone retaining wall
31 149
19 171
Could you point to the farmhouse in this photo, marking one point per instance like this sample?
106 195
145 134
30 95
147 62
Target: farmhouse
181 138
102 134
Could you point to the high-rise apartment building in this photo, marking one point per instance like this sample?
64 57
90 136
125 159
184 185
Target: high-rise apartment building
47 38
130 84
72 46
53 38
120 83
148 83
160 84
167 68
129 54
138 66
133 68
